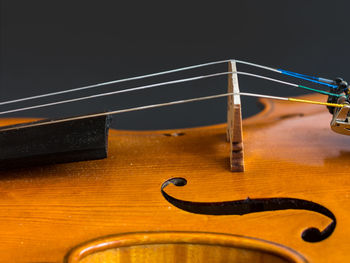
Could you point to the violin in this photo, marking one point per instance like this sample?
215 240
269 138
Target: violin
269 188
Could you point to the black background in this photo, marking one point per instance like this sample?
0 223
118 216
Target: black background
55 45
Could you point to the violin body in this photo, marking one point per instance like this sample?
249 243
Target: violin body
49 212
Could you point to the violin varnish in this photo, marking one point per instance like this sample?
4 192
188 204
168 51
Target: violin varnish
234 121
55 141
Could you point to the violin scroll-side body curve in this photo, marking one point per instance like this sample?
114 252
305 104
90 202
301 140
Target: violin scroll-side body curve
52 213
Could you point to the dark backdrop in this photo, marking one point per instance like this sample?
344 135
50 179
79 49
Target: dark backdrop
55 45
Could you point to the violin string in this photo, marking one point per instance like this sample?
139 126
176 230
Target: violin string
116 81
323 81
158 105
162 84
281 71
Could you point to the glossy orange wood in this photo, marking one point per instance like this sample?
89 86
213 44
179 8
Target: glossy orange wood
290 151
173 247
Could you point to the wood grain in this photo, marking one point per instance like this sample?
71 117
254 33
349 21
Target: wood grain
174 247
290 151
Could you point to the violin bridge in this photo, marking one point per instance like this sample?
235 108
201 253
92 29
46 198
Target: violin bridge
234 121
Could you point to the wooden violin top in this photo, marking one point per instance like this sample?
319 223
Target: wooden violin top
290 152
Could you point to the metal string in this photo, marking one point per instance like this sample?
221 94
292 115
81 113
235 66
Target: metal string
322 81
148 76
113 82
162 84
152 106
